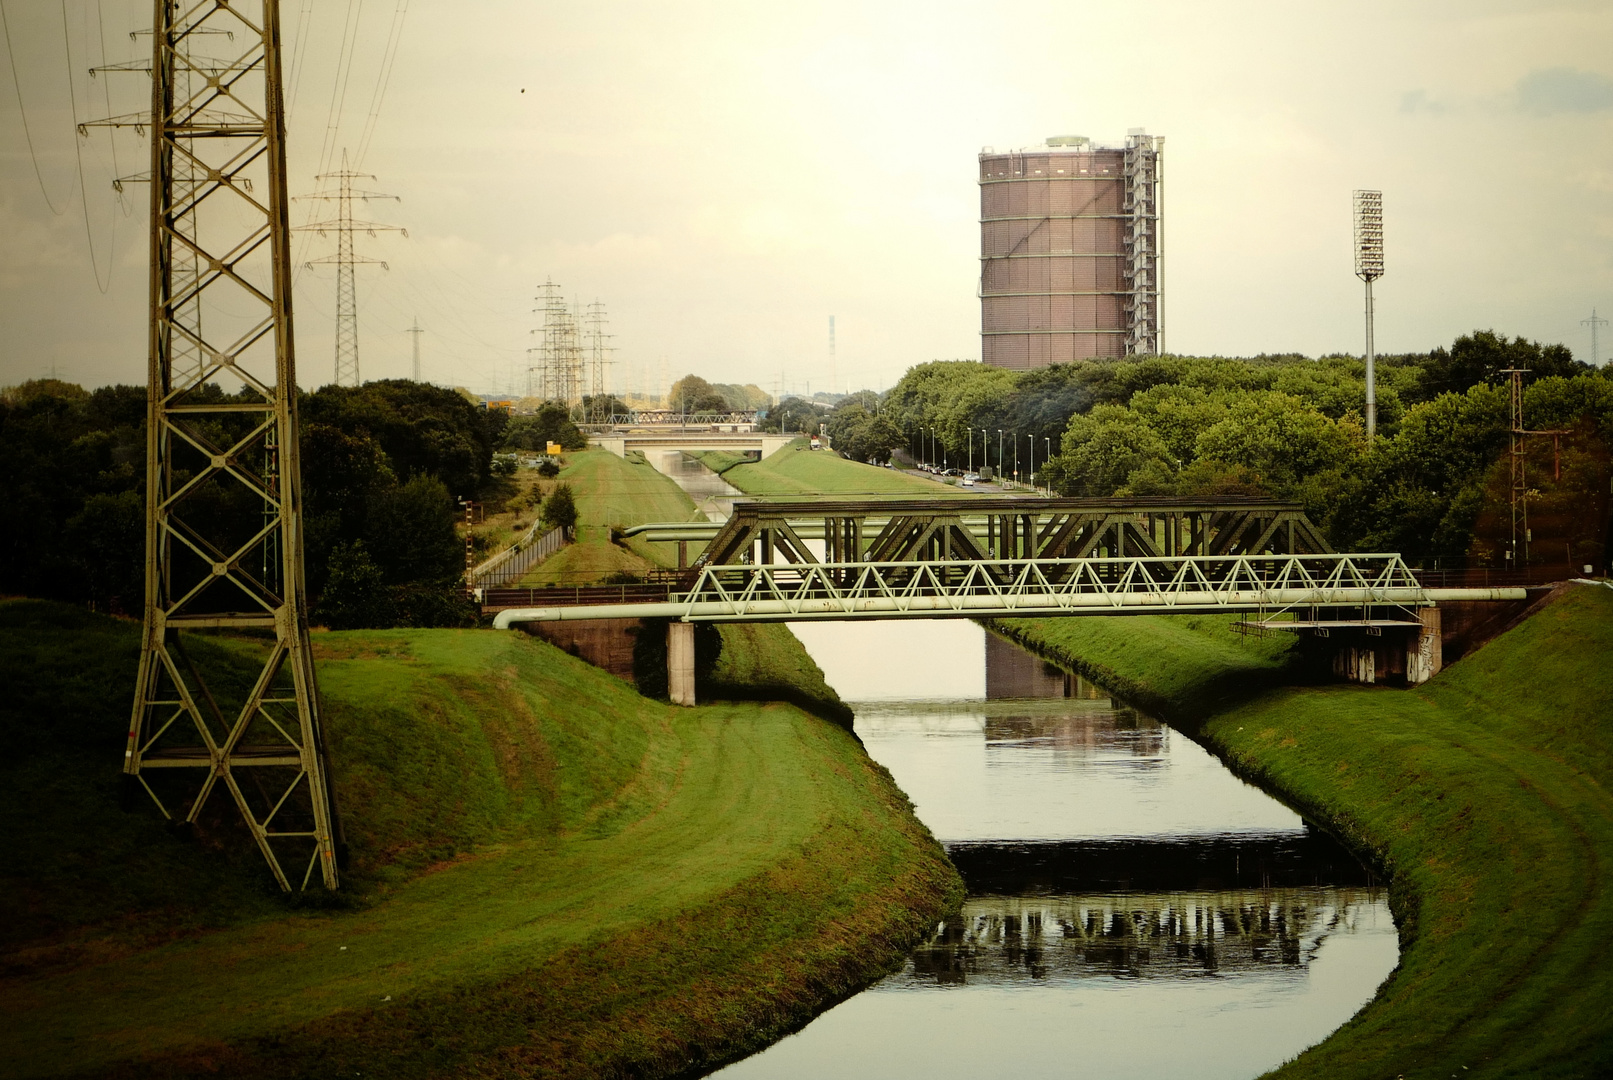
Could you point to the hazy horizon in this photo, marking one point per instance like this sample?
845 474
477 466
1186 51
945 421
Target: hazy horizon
725 177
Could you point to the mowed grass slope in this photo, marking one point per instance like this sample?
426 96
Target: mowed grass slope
759 661
613 491
1485 794
797 470
551 875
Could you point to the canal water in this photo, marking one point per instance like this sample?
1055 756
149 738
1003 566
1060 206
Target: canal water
1133 909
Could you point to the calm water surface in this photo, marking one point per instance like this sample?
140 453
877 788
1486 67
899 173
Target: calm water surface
1133 909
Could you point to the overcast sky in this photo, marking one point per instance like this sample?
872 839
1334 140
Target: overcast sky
726 176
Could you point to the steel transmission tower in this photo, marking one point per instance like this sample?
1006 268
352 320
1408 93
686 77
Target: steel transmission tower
415 331
598 359
223 498
346 259
1595 322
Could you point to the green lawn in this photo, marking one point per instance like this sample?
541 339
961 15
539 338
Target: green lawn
613 491
796 470
1485 794
550 873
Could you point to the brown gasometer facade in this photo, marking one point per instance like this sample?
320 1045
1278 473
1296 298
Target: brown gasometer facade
1070 251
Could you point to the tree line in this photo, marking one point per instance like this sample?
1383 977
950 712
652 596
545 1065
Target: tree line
1435 485
383 469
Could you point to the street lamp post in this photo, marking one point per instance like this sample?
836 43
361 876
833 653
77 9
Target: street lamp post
999 455
1047 458
984 447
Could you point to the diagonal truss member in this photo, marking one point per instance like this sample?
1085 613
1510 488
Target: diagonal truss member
223 505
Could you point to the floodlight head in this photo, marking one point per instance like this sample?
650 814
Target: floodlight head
1368 235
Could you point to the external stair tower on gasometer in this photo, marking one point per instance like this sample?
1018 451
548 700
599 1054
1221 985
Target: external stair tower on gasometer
224 546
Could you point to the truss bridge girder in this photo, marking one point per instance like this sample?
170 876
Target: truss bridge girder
982 529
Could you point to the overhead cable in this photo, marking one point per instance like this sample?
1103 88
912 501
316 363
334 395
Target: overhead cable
5 24
78 154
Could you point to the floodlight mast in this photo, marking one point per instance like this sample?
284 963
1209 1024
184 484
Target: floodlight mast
1369 267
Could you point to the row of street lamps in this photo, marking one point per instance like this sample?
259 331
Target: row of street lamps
931 433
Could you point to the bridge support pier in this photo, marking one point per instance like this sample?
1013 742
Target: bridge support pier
680 662
1425 654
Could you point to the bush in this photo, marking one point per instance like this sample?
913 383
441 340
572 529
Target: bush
560 508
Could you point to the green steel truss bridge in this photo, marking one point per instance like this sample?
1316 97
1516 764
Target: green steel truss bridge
976 557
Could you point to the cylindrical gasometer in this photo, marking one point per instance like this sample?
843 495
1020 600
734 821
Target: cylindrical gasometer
1069 251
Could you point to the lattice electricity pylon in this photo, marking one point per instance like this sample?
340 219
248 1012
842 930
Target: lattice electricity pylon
346 259
223 499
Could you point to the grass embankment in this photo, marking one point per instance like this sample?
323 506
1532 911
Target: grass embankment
758 662
797 470
1485 796
613 491
550 874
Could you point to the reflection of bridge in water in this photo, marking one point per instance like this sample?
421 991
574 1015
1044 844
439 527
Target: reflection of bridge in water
1007 940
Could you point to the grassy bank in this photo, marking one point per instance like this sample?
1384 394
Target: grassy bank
797 470
550 874
758 662
1484 795
613 491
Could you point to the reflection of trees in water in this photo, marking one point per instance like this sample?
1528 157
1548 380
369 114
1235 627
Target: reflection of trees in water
1167 935
1119 732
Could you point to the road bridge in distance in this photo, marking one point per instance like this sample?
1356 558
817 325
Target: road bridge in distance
1022 557
694 440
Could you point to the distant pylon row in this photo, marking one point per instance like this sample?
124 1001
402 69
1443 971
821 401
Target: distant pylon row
571 360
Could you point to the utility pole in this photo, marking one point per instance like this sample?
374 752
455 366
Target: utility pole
218 146
1369 267
832 374
346 259
416 331
1517 447
1594 323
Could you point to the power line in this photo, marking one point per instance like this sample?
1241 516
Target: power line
78 155
28 134
383 79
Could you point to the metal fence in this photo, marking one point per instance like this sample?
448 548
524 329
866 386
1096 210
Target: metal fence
1485 577
513 563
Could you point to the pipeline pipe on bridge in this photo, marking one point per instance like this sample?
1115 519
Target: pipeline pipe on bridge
827 609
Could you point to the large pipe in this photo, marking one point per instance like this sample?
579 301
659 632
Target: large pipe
1024 605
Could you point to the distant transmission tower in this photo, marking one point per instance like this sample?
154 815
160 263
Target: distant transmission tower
416 332
555 380
1369 267
218 148
346 259
831 354
598 359
1594 323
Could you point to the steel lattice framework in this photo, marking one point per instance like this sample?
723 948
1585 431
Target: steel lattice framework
939 589
223 506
